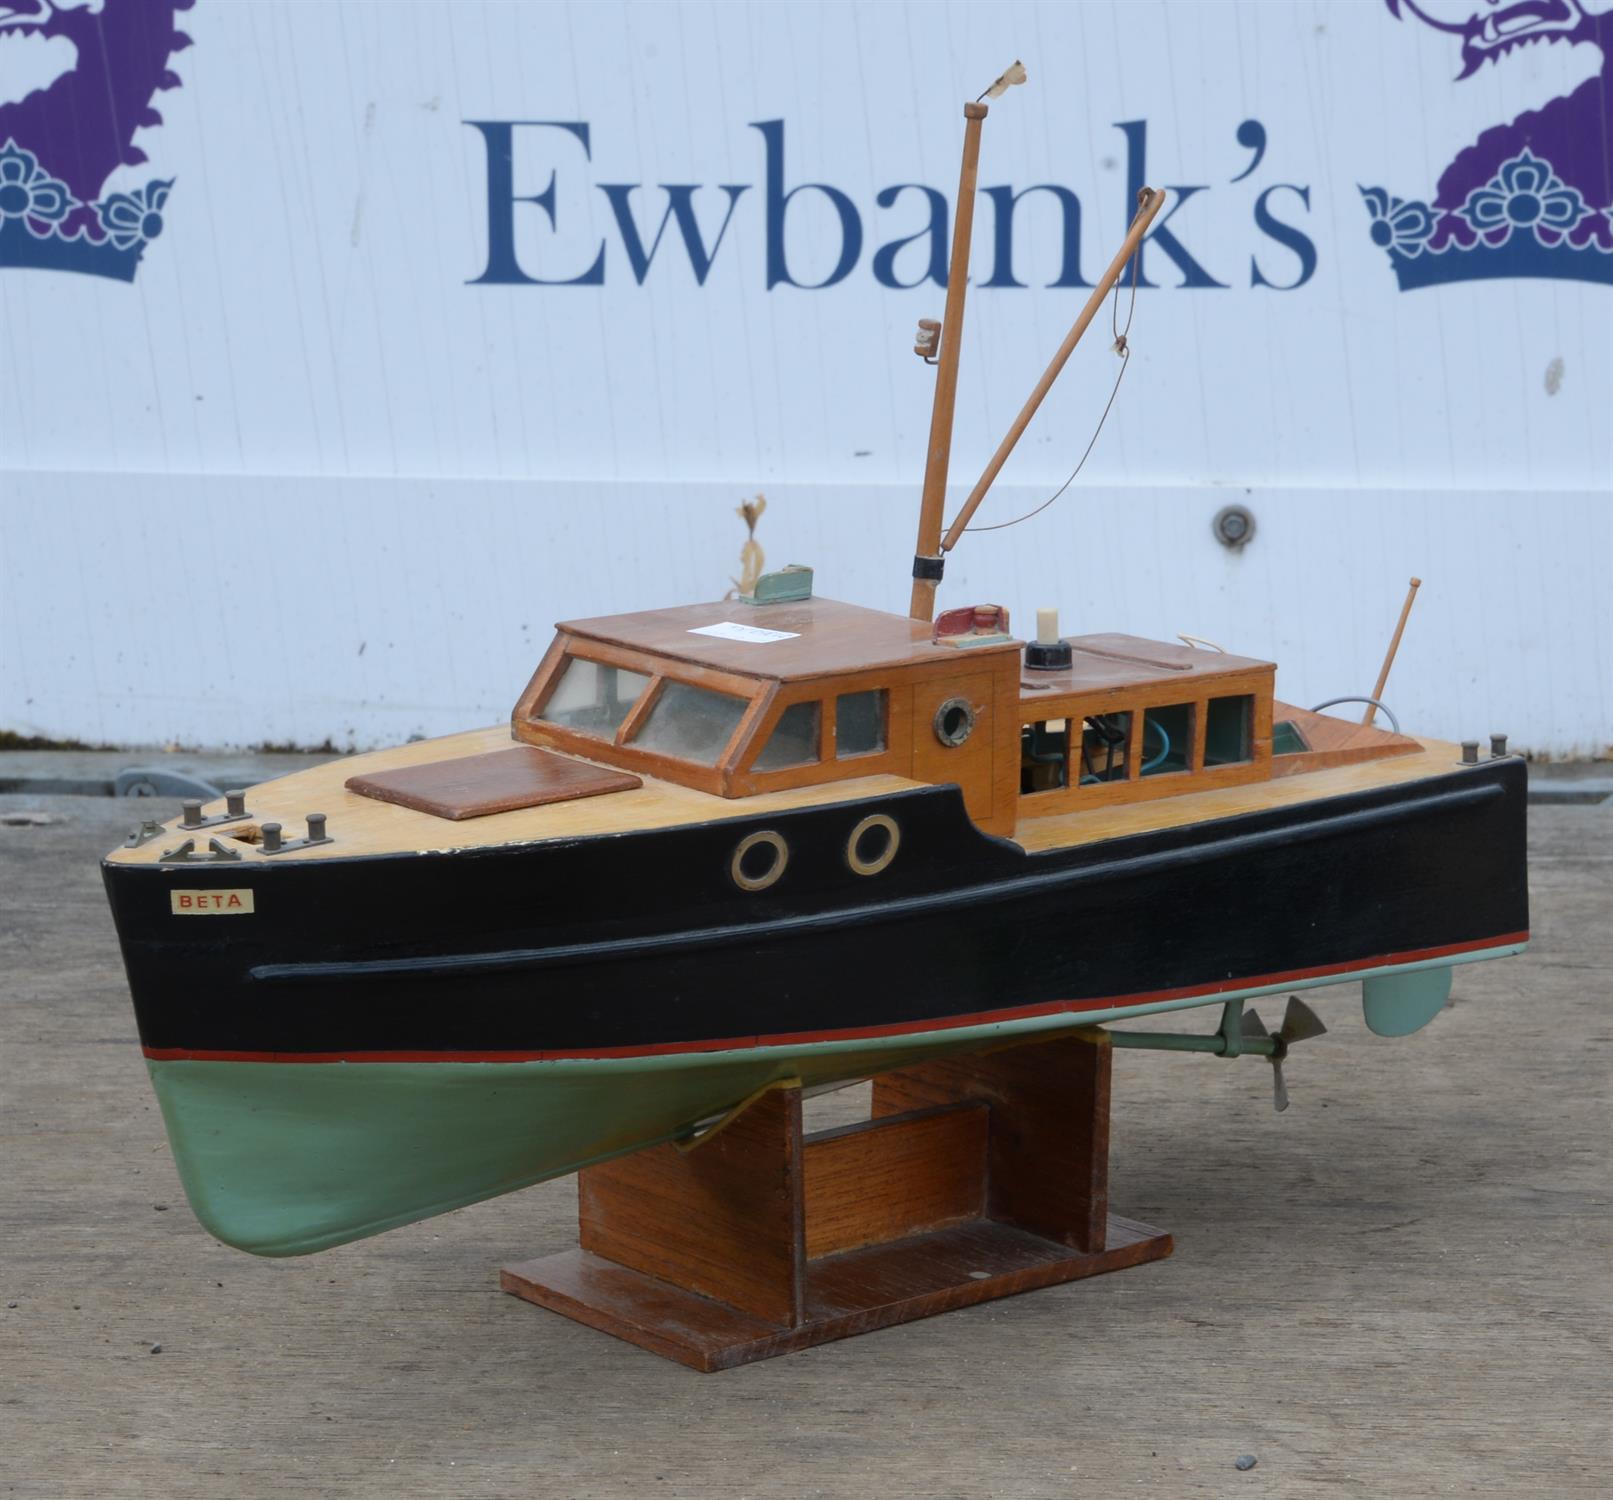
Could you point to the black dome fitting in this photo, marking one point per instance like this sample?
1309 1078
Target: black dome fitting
1047 658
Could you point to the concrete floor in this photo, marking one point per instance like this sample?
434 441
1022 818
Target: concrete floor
1402 1287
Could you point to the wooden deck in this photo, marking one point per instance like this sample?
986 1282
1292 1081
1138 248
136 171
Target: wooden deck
363 826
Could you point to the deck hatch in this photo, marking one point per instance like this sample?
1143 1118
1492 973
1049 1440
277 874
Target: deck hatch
473 786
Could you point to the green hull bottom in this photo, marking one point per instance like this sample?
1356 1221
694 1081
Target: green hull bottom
289 1158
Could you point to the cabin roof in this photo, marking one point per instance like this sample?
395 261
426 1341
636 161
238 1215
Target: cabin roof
1108 661
824 638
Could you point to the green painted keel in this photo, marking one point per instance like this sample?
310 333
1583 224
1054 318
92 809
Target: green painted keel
289 1158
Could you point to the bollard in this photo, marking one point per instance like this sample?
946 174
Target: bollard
271 838
192 814
235 804
1498 745
316 828
1470 752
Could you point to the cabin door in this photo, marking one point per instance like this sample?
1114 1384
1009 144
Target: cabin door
952 737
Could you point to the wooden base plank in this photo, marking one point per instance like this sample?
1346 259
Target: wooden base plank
854 1292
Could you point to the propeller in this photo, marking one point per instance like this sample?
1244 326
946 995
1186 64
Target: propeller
1300 1023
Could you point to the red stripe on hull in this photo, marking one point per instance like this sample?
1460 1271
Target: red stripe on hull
851 1034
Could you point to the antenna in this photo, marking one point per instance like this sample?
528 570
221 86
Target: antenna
1394 646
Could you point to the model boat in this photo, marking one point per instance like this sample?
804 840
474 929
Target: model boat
776 837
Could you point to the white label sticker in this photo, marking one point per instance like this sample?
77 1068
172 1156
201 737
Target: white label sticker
222 903
729 631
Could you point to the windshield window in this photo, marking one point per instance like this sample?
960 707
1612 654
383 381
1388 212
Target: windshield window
692 723
593 698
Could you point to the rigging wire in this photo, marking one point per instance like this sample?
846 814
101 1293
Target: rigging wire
1121 347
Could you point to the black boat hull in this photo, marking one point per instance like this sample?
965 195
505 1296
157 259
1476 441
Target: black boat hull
640 943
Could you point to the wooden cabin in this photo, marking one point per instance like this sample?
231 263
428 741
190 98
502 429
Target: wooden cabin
736 700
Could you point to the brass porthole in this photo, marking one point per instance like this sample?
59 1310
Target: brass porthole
954 721
759 860
873 844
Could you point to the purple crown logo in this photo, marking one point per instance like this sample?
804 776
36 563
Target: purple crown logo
1533 198
77 78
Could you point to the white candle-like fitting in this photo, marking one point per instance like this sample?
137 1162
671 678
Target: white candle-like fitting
1047 627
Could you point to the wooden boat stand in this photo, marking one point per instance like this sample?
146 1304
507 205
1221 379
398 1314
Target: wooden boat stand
977 1177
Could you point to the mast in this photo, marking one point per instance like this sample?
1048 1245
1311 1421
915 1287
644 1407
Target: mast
927 558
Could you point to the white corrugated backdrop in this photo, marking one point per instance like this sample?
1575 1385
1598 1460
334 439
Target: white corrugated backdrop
308 478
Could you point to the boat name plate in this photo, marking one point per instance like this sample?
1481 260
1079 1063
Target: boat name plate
233 902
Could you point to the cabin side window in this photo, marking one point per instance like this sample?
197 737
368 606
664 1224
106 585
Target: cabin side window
860 722
1229 730
592 697
1167 739
1044 756
794 741
1105 748
1102 748
689 722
